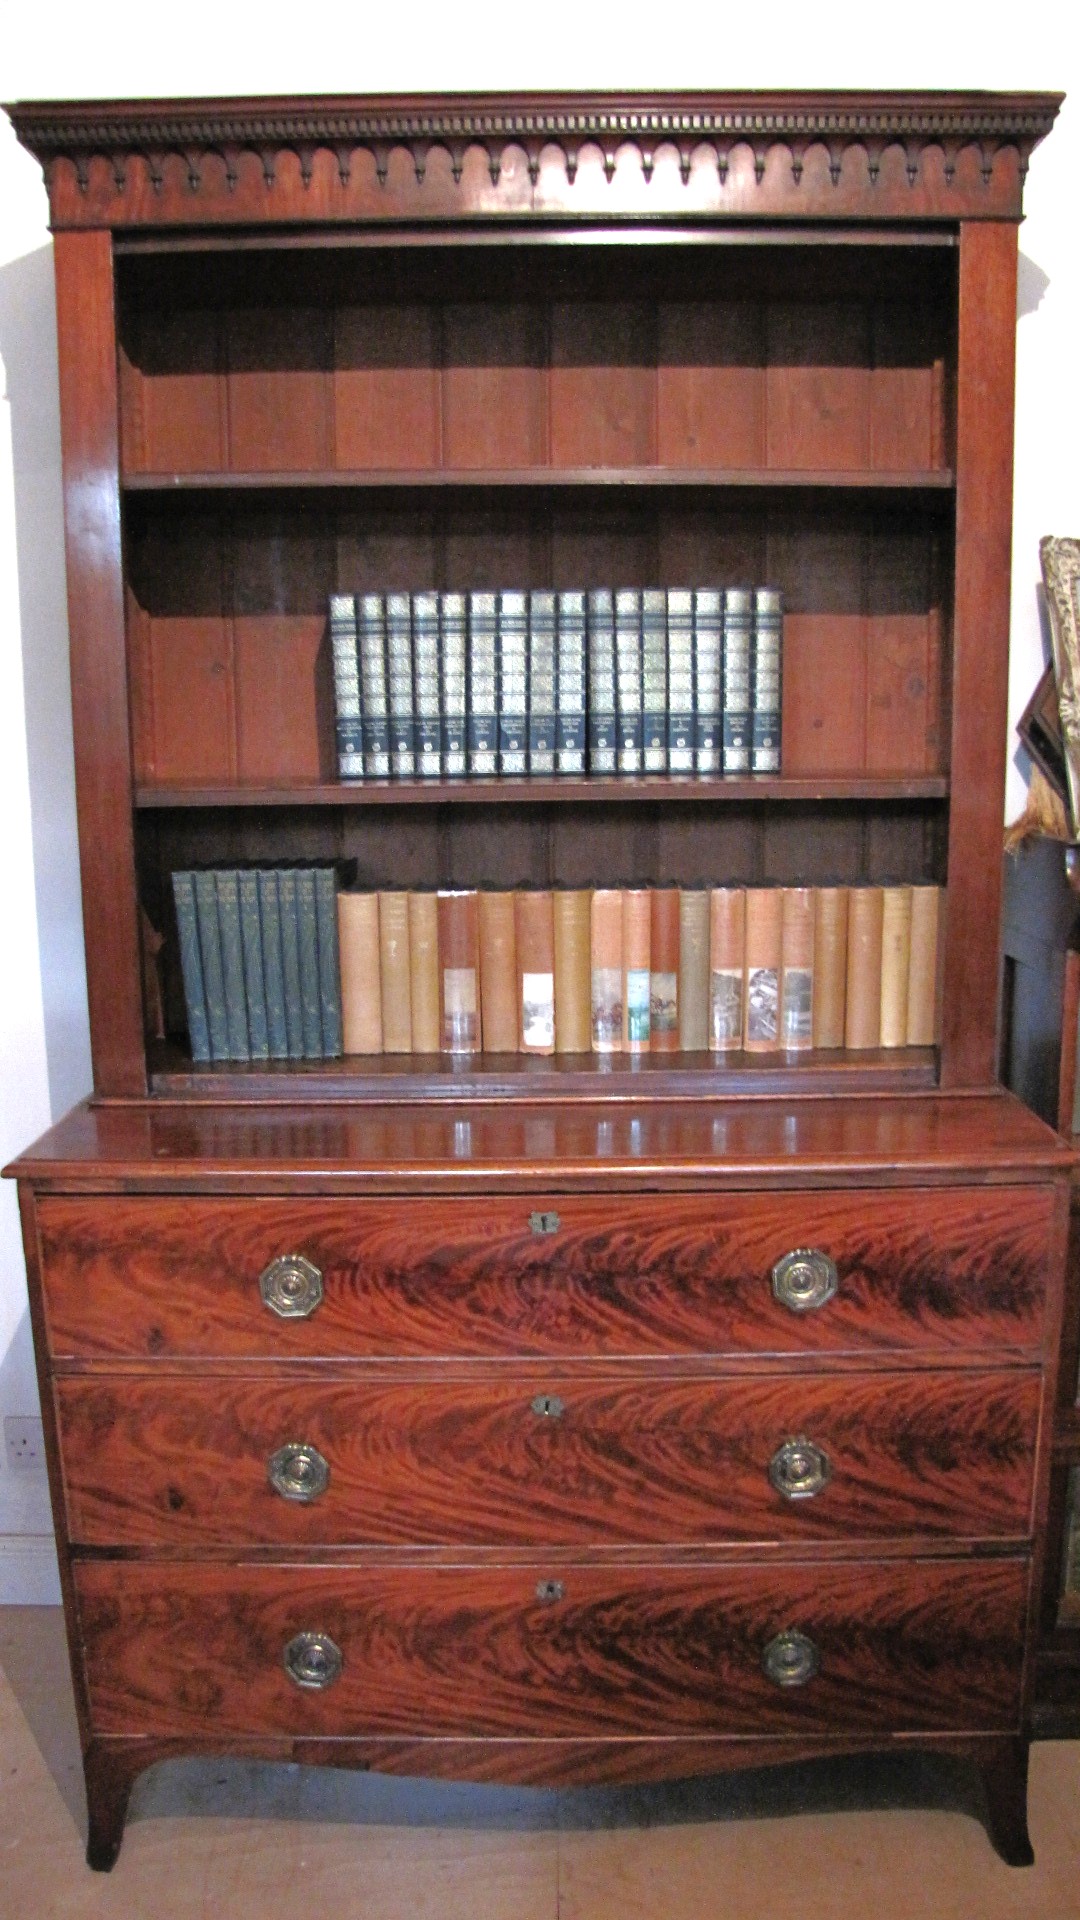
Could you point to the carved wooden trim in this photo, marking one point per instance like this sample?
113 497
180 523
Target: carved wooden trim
159 131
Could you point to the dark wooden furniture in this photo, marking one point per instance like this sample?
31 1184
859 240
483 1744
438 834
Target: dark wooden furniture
1041 997
675 1418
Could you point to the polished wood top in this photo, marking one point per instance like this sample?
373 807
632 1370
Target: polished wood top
727 1143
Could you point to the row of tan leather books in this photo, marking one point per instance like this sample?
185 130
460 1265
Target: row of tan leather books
639 969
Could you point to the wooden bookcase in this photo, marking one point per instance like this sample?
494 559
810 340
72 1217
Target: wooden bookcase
343 345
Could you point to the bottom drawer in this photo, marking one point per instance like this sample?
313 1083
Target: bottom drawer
581 1651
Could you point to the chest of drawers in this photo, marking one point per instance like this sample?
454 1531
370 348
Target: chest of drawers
445 1454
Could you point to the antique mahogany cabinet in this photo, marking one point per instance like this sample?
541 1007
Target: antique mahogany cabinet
654 1416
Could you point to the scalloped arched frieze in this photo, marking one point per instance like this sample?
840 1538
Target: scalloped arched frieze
856 132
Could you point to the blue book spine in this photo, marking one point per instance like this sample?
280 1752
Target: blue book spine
680 654
187 927
629 686
482 734
602 723
213 971
453 653
227 885
512 630
738 623
570 743
329 963
708 679
348 692
654 680
425 632
273 975
290 960
401 692
371 627
542 682
310 995
254 972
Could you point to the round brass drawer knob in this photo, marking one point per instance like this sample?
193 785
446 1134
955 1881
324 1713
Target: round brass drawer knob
313 1661
291 1286
298 1472
804 1279
791 1659
798 1470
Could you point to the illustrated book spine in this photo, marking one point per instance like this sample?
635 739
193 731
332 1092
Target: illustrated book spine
764 959
637 968
727 968
534 930
606 969
797 970
459 972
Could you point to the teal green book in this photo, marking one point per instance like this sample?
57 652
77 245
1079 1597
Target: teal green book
254 973
329 964
213 970
310 999
290 960
273 975
187 926
227 886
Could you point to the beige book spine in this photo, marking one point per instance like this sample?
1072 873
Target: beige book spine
895 964
664 970
394 972
764 950
424 971
862 1019
535 933
830 965
459 973
923 1010
727 967
693 969
572 910
361 990
797 970
637 946
606 965
498 972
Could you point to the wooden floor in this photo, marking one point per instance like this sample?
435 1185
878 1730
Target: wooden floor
890 1840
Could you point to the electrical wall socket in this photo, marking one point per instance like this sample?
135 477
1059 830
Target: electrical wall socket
24 1443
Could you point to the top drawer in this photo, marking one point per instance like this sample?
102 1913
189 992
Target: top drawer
564 1274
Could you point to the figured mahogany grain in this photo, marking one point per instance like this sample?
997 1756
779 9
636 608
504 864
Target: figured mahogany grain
546 1457
475 1652
627 1274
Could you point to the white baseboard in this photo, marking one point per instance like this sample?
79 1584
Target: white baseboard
29 1576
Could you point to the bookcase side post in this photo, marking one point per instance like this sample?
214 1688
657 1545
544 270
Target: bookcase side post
89 422
986 356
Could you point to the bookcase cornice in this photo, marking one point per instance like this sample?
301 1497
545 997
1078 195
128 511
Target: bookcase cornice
846 154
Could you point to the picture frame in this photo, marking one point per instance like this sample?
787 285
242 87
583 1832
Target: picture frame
1039 729
1060 561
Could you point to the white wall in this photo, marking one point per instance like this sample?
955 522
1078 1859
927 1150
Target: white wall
57 53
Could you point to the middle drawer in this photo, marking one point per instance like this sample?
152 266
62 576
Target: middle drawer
541 1457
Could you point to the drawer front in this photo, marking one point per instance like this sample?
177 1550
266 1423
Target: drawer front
475 1652
547 1458
561 1274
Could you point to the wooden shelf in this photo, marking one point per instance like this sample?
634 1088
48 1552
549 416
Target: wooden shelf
597 790
321 481
497 1077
